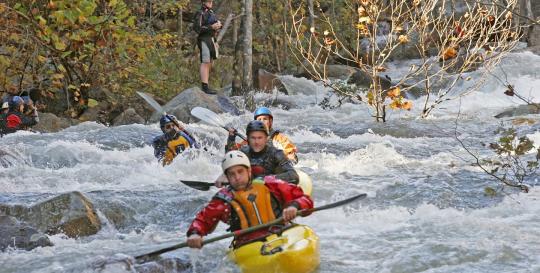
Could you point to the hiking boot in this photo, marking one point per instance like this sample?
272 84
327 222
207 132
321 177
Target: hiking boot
207 89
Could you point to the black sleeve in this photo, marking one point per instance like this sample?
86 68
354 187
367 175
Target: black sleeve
159 147
28 121
231 143
284 168
199 24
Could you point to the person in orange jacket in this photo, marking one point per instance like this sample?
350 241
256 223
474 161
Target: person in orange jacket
246 202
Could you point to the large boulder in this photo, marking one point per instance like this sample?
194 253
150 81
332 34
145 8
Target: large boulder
98 113
181 105
521 110
267 81
534 36
70 213
339 71
50 123
128 117
20 235
363 79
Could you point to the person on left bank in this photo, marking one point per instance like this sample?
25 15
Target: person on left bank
173 141
246 202
15 119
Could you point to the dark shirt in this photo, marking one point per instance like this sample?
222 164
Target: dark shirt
204 19
272 161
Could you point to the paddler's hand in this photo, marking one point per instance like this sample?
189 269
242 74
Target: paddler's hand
216 25
232 131
222 179
289 213
194 241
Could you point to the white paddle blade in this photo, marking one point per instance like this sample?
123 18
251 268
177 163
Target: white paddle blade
152 102
207 116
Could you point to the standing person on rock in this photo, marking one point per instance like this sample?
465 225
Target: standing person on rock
266 160
206 25
246 203
173 141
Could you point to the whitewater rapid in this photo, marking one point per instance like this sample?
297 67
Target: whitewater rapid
426 210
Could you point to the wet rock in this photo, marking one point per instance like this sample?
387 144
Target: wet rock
71 213
534 36
534 49
49 123
165 265
267 81
520 110
120 215
100 94
363 79
338 71
98 113
181 105
20 235
128 117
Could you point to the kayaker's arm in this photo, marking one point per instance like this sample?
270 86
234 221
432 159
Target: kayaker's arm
285 170
231 141
289 194
208 218
159 147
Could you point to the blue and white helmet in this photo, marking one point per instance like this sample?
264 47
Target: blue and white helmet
261 111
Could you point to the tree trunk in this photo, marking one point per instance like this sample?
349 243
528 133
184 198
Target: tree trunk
311 13
237 67
247 79
179 25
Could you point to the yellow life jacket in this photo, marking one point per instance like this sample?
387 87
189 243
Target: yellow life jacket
173 149
253 206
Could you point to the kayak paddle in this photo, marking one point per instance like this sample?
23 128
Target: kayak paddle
212 118
160 110
200 185
148 256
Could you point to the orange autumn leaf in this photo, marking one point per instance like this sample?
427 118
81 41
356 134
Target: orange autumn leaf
449 53
394 105
329 41
394 92
403 39
407 105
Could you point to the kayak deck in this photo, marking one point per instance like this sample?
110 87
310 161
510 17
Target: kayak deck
296 250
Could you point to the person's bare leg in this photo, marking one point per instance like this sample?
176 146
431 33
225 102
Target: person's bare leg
205 72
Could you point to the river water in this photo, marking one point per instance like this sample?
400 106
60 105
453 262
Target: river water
426 210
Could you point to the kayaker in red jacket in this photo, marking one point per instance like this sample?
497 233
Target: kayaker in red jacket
246 202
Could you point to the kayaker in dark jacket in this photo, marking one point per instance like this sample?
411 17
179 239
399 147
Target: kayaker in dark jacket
245 203
264 157
206 25
173 141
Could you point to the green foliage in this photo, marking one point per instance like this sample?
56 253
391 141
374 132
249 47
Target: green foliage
73 44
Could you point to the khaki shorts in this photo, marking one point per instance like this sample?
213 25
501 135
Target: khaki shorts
208 49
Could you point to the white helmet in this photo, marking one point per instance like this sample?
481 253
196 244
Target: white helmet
234 158
5 105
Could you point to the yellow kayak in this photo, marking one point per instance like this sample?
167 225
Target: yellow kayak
296 250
